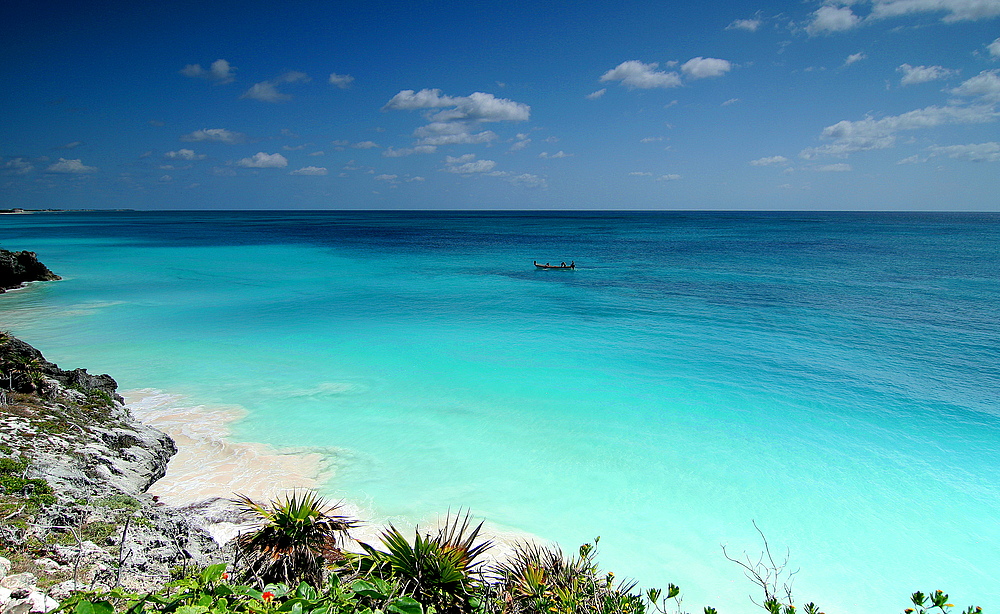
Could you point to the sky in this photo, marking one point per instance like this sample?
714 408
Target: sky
776 105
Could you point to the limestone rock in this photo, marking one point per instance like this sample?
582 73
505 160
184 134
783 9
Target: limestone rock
75 433
16 268
19 580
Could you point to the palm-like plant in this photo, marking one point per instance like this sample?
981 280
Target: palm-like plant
442 570
541 579
296 534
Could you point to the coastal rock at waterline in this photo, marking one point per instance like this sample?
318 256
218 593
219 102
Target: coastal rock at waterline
70 429
16 268
81 460
31 373
218 517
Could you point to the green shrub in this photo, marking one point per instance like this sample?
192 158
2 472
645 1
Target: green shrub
440 571
118 502
295 534
9 466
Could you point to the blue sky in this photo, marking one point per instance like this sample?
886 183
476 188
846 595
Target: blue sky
864 104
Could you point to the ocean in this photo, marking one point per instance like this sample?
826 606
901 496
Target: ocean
833 378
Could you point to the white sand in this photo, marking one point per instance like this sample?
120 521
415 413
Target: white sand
209 465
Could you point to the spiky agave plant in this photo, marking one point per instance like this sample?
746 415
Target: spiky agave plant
441 570
296 533
537 578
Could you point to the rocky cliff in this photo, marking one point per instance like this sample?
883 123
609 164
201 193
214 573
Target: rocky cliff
17 268
74 469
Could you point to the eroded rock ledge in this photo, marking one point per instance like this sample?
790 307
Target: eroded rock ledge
73 499
18 268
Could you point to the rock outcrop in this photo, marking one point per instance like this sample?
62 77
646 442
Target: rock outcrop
74 469
17 268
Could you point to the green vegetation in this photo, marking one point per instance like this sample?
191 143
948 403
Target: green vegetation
434 573
442 571
32 492
296 534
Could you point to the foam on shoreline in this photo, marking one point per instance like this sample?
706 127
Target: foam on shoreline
209 465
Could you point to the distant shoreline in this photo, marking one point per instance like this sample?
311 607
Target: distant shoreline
17 211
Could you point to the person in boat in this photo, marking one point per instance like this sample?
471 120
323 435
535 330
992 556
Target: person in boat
563 263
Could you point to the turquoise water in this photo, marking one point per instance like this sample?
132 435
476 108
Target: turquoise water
832 377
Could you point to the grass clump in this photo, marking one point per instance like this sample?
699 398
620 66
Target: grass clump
34 492
117 502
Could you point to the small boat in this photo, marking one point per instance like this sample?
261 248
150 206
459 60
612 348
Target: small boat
558 267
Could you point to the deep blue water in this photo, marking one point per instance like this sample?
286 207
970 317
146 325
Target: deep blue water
833 377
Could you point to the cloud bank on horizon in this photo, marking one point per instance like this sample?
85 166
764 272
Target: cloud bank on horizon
842 104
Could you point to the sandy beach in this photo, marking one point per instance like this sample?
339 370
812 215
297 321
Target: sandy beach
208 465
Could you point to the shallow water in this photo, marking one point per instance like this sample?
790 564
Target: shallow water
832 377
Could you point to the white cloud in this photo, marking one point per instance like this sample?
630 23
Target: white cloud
955 10
701 68
854 57
72 145
293 76
559 154
985 86
730 101
834 168
365 145
387 178
651 139
341 81
451 133
636 74
467 164
220 135
263 160
771 161
18 166
408 100
310 170
70 166
220 72
832 19
597 94
183 154
750 25
994 48
870 133
391 152
671 177
455 122
922 74
978 152
522 142
318 153
528 180
477 107
267 91
640 174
